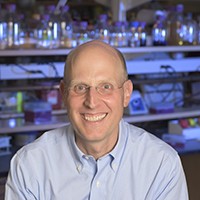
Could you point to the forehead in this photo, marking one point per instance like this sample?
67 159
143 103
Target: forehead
98 51
95 57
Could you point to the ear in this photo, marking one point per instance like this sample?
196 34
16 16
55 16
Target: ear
128 89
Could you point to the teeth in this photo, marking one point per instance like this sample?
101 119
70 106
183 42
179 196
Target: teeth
95 118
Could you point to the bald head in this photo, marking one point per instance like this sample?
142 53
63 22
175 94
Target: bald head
99 50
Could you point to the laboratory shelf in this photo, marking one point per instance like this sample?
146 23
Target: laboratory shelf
177 114
125 50
59 118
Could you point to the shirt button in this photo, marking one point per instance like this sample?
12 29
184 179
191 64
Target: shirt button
98 184
79 168
86 157
114 166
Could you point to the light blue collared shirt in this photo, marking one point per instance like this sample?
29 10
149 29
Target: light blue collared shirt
140 167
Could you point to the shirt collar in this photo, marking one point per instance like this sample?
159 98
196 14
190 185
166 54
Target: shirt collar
118 150
77 154
116 153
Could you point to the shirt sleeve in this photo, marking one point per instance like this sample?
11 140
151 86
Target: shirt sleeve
175 186
18 181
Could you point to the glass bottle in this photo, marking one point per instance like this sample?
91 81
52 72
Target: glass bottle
83 35
67 39
54 25
44 33
92 30
102 29
175 26
118 34
142 33
134 40
23 34
190 33
198 29
159 30
13 27
27 39
3 29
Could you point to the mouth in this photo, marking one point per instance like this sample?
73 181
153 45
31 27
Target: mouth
94 118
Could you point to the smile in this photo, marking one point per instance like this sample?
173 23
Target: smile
94 118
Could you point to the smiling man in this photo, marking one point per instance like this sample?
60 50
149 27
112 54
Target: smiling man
95 90
98 156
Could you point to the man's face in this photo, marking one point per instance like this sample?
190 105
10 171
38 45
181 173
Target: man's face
96 117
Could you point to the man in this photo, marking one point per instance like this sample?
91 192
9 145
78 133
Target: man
98 156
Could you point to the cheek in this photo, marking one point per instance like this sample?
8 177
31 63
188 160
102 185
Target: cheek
72 108
74 104
116 102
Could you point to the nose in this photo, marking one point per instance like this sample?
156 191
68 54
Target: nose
91 98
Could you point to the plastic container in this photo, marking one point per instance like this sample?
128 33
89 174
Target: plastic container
37 112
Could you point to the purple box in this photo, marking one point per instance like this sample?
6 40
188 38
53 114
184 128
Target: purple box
37 112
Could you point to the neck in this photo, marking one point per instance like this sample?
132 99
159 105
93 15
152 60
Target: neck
95 148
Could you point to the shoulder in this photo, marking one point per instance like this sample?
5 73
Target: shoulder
46 143
144 149
147 142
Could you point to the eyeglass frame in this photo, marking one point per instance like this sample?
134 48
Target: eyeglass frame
97 88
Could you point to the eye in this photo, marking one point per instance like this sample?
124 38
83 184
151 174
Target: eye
106 86
80 88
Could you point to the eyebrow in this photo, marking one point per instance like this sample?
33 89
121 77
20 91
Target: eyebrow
75 82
